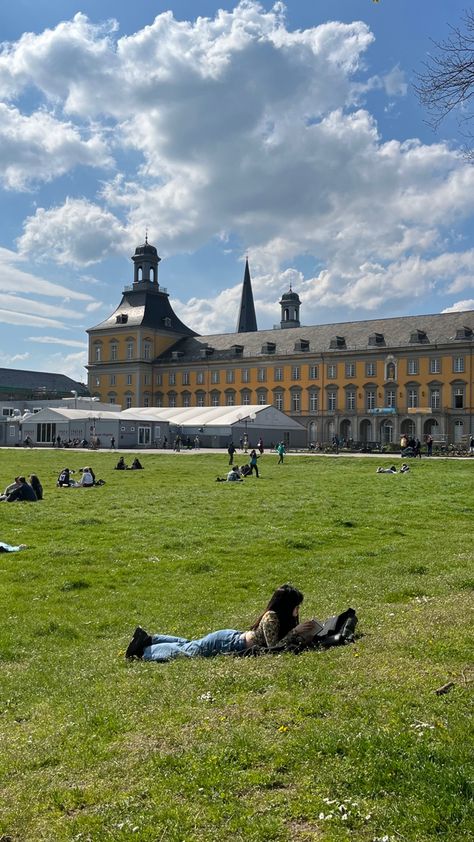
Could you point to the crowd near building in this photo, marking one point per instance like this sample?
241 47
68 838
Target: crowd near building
360 381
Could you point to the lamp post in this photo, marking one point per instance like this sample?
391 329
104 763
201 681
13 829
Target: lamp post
73 392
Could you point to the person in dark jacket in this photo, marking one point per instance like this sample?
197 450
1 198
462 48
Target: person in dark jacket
36 486
23 492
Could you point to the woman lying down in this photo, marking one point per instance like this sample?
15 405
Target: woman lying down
278 624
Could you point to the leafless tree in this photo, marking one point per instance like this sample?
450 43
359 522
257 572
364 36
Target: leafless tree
447 81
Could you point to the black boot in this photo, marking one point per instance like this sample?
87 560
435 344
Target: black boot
140 640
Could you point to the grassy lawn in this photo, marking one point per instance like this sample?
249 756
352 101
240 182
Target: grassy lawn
348 744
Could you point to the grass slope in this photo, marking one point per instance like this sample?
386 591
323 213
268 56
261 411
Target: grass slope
348 744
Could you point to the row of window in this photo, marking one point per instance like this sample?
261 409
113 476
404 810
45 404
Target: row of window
313 373
314 404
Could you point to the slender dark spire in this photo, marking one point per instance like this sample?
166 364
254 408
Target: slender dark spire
247 320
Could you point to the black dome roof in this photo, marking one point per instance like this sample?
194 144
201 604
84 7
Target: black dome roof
290 296
146 248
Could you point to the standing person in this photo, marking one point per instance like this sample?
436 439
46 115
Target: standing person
280 449
260 445
429 445
196 442
471 444
231 450
165 442
177 443
417 448
246 442
279 623
112 443
253 462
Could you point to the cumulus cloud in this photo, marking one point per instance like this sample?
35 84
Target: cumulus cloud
58 340
77 232
40 148
236 126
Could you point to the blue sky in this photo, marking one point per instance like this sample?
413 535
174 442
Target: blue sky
286 131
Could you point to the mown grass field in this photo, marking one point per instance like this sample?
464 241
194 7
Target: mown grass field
348 744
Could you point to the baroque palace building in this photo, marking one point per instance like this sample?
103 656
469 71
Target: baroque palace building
369 381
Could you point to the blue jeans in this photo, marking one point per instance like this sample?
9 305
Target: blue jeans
165 647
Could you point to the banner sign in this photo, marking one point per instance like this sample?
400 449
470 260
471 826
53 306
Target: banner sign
383 410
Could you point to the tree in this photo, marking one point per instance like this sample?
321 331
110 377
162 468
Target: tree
447 82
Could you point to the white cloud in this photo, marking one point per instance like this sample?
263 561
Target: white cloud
12 278
40 148
7 360
78 233
460 306
58 340
241 127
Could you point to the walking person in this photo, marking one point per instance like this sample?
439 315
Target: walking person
231 450
253 463
280 449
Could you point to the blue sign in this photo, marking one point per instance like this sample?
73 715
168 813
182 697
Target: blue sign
383 410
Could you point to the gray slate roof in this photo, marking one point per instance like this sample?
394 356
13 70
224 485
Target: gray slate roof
399 332
17 380
145 306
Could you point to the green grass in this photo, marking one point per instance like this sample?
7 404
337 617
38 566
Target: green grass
348 744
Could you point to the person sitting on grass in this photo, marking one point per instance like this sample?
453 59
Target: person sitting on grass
391 470
10 488
87 479
22 493
64 478
234 474
278 624
136 465
121 466
36 486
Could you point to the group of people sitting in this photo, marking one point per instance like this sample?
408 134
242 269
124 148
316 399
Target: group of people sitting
87 478
237 472
393 470
135 466
22 490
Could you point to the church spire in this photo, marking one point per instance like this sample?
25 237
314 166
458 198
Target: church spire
247 320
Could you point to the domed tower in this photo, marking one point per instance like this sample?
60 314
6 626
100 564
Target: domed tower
145 262
290 309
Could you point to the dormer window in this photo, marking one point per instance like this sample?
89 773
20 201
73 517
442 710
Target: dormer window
268 348
302 345
338 342
121 319
376 339
464 333
418 336
237 350
167 321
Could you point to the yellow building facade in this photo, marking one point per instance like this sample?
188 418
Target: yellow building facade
365 381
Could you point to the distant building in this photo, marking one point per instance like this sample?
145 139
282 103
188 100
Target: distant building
369 381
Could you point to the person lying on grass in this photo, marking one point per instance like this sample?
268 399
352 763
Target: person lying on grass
278 624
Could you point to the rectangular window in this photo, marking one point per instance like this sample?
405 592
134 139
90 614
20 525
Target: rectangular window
146 380
44 432
458 364
129 379
332 371
278 374
146 402
97 381
412 367
435 399
458 397
350 400
370 399
199 378
295 372
128 402
229 400
332 401
261 375
245 375
159 379
215 400
370 369
390 398
186 400
129 350
113 352
147 351
111 400
262 399
278 401
412 398
215 379
172 378
200 400
246 399
313 372
435 366
229 375
295 402
185 378
313 402
172 400
112 379
350 370
98 353
7 410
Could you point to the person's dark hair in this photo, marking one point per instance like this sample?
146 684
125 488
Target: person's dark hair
283 602
36 486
